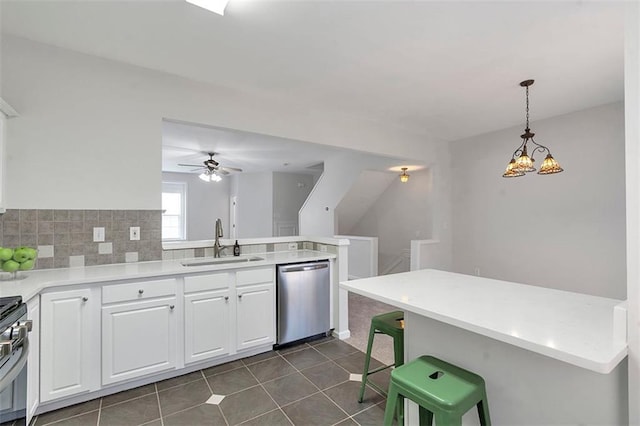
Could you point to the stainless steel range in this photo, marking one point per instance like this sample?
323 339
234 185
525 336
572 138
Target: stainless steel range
14 349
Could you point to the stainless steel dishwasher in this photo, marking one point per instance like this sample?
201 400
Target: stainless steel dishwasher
303 300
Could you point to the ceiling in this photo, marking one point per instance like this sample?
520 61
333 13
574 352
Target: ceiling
186 143
448 70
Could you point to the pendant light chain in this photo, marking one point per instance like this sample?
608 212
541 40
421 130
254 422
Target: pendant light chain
527 89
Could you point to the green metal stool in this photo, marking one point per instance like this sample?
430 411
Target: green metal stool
391 324
440 389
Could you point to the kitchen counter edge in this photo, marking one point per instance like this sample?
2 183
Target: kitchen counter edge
34 282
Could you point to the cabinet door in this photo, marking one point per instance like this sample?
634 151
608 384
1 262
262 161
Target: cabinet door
138 339
206 325
65 361
33 362
255 315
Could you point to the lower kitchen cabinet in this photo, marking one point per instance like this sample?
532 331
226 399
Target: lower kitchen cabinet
206 325
255 315
138 338
113 333
33 362
68 352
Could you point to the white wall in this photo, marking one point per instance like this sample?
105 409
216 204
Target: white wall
254 204
290 190
206 201
367 188
96 125
632 158
402 213
564 231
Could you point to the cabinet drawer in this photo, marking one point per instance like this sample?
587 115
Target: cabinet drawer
206 282
138 291
254 276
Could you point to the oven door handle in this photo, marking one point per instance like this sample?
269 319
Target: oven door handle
17 367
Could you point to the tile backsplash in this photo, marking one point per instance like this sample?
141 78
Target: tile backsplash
65 237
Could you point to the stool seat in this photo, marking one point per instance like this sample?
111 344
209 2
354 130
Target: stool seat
391 324
440 389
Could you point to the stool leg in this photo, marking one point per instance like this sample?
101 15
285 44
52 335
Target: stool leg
398 358
367 360
400 410
483 412
390 408
398 350
426 416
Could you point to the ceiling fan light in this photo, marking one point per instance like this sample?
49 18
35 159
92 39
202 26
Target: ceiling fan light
215 6
204 176
215 177
549 166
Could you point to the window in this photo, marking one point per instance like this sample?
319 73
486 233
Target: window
174 201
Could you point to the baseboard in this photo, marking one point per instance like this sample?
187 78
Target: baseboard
345 334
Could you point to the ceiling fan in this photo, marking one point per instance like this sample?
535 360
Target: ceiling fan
211 166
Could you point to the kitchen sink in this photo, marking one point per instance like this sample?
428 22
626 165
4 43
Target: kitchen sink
221 261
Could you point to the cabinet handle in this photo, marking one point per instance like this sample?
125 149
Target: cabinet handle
84 299
239 296
226 298
171 307
140 291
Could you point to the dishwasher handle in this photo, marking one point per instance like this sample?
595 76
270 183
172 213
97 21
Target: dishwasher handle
299 268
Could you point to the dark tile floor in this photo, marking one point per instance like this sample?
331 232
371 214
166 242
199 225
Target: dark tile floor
308 384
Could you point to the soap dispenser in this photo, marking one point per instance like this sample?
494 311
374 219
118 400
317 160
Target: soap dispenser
236 249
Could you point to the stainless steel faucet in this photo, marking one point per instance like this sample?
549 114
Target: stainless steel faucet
217 248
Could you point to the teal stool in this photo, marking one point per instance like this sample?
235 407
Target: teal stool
440 389
391 324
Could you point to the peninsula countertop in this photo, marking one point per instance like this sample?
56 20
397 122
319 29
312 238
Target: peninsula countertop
31 283
575 328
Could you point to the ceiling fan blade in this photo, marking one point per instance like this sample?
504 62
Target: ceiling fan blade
191 165
222 171
235 169
193 170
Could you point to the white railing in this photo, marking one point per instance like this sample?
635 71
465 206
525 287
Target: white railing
395 263
425 254
363 256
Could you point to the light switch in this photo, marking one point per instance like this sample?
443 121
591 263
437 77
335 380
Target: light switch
98 234
134 233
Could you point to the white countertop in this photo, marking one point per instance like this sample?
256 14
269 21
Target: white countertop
570 327
31 283
176 245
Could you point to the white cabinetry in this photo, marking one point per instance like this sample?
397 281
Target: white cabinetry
207 312
33 362
67 346
139 329
255 314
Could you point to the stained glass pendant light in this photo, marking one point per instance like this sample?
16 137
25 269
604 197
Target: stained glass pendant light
520 162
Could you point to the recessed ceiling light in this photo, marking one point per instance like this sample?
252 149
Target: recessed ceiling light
216 6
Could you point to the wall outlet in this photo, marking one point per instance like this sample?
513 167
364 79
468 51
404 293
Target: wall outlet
322 247
98 234
476 271
293 246
134 233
